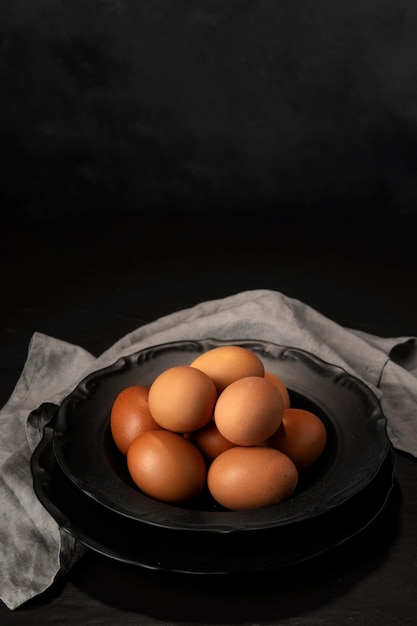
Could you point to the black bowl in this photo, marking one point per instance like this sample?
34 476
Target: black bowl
356 448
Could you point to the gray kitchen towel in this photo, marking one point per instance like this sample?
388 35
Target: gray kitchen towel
34 550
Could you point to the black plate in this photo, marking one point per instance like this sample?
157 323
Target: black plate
357 439
152 547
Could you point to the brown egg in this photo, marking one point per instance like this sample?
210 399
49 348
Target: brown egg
167 467
301 435
251 477
280 386
130 416
225 364
182 399
209 441
248 411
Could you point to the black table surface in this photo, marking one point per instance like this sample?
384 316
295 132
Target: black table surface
91 279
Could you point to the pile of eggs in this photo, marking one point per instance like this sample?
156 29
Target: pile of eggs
221 422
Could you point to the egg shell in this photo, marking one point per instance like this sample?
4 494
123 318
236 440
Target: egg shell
209 441
182 399
302 436
225 364
249 410
130 416
281 388
245 477
167 467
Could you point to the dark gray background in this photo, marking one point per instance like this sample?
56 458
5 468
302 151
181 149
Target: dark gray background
208 107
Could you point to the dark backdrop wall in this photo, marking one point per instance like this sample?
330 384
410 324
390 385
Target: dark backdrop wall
208 106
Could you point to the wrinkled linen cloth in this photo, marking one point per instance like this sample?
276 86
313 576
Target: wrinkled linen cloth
34 550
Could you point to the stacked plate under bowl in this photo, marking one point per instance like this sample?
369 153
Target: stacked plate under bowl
82 480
